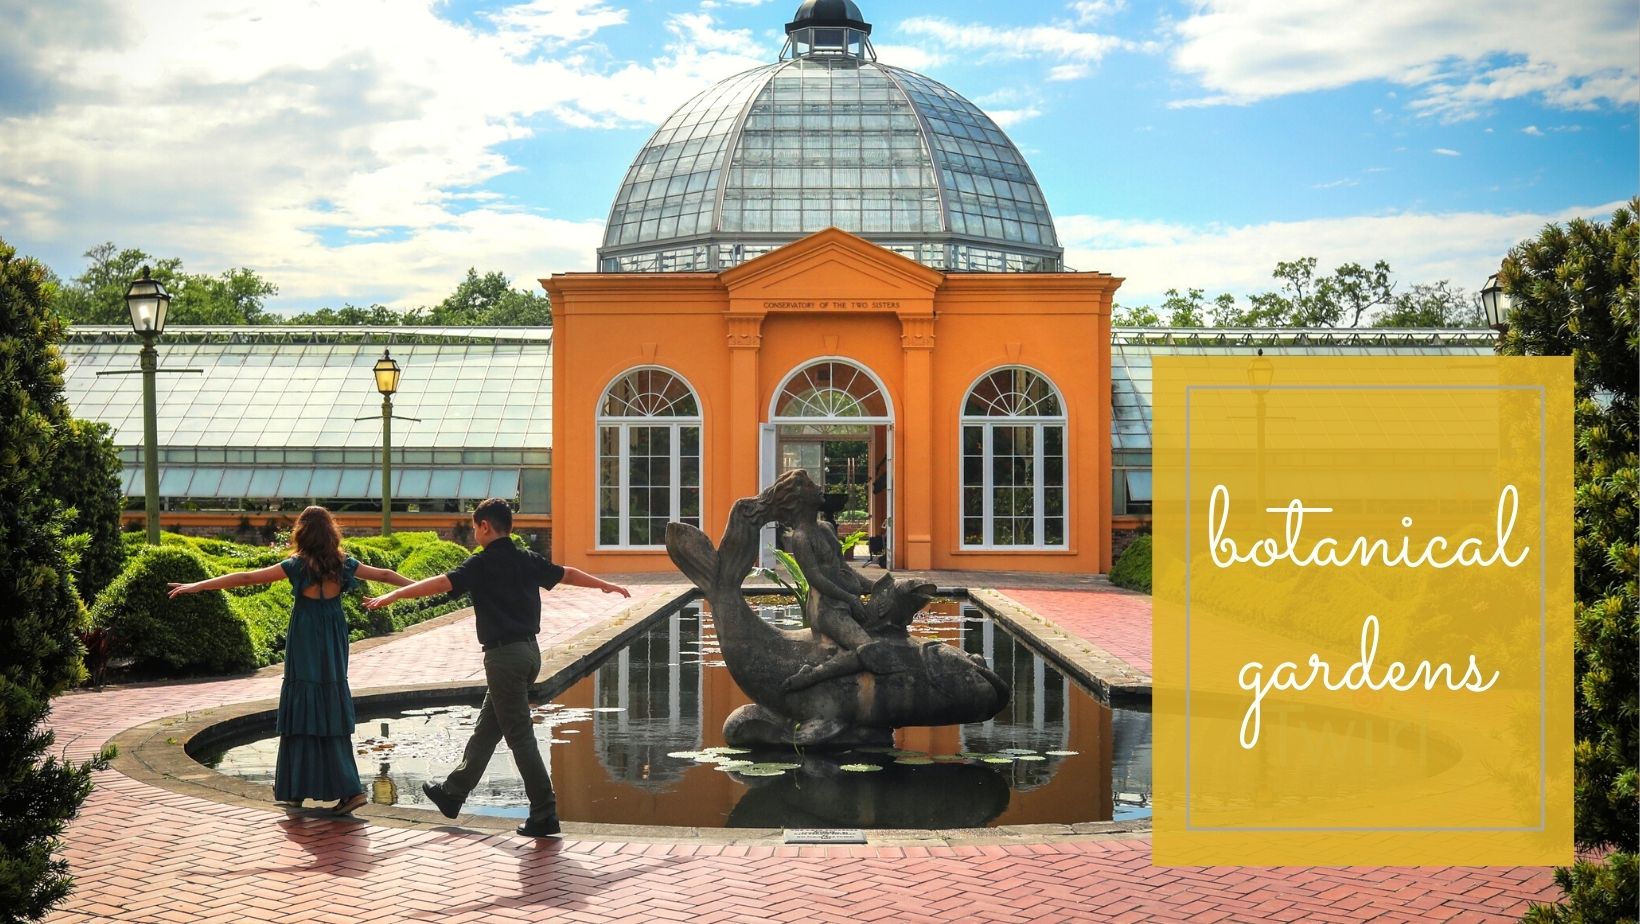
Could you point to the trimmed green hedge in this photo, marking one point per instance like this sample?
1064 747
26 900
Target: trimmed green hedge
258 617
1132 570
193 633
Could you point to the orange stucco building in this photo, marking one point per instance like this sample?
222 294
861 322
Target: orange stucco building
982 400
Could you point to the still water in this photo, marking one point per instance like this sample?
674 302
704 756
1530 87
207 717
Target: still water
628 744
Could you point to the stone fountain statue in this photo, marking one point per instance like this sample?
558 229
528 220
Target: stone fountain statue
852 677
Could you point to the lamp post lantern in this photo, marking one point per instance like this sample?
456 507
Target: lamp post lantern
387 382
1495 303
148 302
1259 375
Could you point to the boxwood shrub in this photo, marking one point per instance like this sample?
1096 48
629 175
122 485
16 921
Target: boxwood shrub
193 633
1132 570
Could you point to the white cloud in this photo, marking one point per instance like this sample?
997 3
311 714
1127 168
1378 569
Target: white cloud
1532 130
1076 51
1458 56
1007 118
1154 256
1447 152
1091 11
1335 184
340 149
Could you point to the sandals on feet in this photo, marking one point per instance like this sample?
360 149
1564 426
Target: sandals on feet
346 806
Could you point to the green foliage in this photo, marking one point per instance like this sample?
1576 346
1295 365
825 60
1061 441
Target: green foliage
1348 297
1595 893
85 476
478 301
97 296
1573 291
193 633
1132 569
793 580
432 558
853 539
40 653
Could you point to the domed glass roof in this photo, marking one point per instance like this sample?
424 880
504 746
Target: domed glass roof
829 137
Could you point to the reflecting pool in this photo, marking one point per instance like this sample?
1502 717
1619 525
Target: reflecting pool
639 741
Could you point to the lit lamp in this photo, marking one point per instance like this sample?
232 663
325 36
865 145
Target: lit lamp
1496 304
148 302
387 382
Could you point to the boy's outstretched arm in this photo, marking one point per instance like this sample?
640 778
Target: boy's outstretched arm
575 577
427 587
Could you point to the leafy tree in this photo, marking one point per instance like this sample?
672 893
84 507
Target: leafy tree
1142 316
97 296
84 476
1304 300
354 316
40 653
1573 291
489 300
1439 305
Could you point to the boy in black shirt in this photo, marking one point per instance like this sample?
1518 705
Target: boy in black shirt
503 581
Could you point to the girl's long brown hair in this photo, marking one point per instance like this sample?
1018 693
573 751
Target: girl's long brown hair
318 542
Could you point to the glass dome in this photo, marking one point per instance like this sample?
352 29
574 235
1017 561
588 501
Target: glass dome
829 137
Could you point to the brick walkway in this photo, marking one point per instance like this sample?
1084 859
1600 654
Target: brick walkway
144 855
1115 620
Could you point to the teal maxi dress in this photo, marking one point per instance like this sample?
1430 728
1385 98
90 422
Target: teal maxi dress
315 704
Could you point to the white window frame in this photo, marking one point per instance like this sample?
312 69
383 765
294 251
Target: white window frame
1038 424
623 426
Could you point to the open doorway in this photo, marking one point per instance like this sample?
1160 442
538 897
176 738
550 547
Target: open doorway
851 466
831 418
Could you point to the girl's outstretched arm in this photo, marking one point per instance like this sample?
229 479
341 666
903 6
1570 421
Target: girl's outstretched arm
383 576
266 575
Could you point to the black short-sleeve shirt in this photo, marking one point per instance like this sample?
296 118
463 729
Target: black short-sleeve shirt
503 580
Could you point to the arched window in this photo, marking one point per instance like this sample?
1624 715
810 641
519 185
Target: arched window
648 458
1013 462
831 390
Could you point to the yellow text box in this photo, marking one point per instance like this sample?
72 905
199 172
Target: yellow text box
1362 610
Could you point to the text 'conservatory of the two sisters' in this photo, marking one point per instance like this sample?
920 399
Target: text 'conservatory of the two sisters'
829 259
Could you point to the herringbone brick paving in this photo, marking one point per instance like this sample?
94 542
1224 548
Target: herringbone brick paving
144 855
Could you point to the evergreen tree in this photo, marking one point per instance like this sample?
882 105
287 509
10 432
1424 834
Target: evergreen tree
85 477
1574 291
40 653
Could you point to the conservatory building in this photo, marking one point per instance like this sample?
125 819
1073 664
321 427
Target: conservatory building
831 260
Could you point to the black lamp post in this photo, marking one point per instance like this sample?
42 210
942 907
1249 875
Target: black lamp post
1495 303
387 382
148 302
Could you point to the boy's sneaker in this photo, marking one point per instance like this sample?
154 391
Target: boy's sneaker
449 805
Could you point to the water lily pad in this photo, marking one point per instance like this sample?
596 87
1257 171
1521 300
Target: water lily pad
724 750
1016 751
705 758
1029 757
948 758
684 755
914 761
759 771
860 768
998 759
733 764
780 767
1061 753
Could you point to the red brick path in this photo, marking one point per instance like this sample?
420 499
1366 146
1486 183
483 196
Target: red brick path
1115 620
144 855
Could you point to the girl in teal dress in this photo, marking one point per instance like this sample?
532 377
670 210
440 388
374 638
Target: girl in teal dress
315 720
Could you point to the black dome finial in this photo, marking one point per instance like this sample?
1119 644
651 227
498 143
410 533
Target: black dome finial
822 13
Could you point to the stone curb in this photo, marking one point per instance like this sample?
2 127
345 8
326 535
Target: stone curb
1091 666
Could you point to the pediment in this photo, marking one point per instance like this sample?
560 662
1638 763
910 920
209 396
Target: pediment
831 269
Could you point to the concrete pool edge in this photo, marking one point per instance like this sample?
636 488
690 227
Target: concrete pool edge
158 753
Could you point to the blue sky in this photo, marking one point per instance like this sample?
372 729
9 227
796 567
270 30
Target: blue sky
372 151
